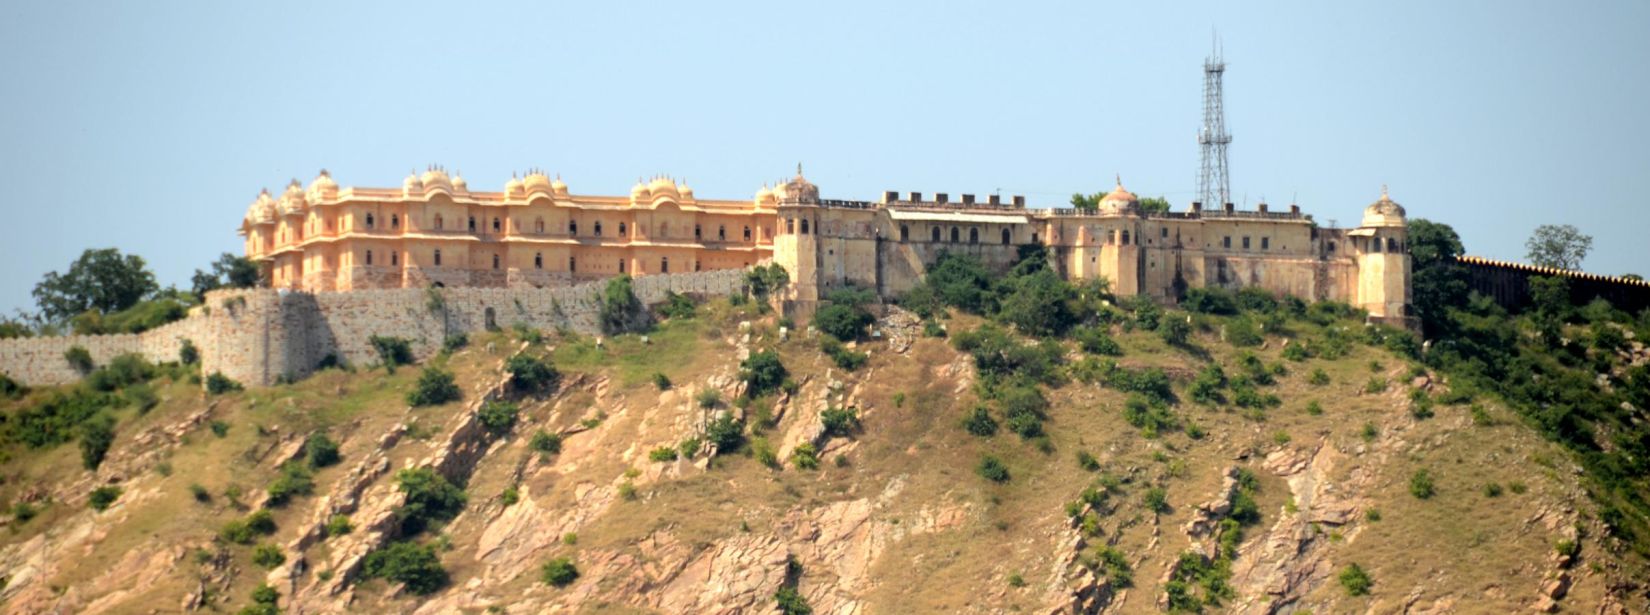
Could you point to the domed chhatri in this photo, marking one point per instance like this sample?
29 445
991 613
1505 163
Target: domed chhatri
1119 200
1384 212
322 188
435 179
292 201
799 189
262 210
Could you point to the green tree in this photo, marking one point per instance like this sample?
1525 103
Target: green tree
1438 280
1560 246
621 311
229 271
762 372
95 437
418 567
102 280
844 322
1038 304
1154 205
765 280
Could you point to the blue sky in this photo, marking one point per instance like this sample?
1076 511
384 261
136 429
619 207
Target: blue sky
150 126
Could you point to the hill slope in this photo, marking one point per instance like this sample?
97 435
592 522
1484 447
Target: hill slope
1133 498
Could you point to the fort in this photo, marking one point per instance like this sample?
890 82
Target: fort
434 258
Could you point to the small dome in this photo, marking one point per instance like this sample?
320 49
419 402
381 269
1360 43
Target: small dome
559 187
685 191
537 182
798 190
663 187
459 185
412 186
436 179
292 201
1119 199
512 188
639 193
1384 212
262 209
322 188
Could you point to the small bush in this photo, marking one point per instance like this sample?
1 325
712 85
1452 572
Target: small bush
762 372
530 374
1242 332
1376 384
142 396
96 436
675 306
545 443
510 495
1492 490
843 322
689 447
1567 548
805 456
559 572
708 398
1156 500
23 511
417 567
1314 408
992 469
627 491
1354 580
338 525
1095 340
839 422
218 428
1420 484
188 354
102 497
725 433
1318 377
844 358
763 452
498 416
791 602
663 454
295 480
267 555
200 493
321 451
218 384
1174 331
455 342
79 359
435 387
980 423
1369 432
430 499
661 381
393 352
1087 462
265 601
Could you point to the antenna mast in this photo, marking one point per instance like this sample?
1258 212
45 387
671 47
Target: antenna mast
1213 184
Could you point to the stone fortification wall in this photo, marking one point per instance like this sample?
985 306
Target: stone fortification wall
259 336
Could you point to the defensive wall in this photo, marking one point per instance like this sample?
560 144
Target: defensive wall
260 336
1509 284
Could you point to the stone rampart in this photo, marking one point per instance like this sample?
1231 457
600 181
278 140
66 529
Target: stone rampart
259 336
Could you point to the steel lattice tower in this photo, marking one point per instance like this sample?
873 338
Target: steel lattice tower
1213 184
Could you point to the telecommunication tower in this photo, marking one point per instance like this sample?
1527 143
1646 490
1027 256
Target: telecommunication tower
1213 184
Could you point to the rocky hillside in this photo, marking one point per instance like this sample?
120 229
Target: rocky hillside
725 463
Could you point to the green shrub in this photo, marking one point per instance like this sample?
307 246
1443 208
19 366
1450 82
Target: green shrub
530 374
1174 331
661 381
1296 352
23 511
675 306
839 422
791 602
1087 462
1206 387
1354 580
1241 332
844 358
1318 377
527 333
435 387
1095 340
1567 548
1492 490
122 371
338 525
764 453
200 493
621 312
393 352
498 416
725 433
689 447
265 601
430 499
218 384
663 454
762 372
244 531
708 398
140 396
96 436
417 567
510 495
991 468
102 497
320 451
1376 384
218 428
980 423
79 359
454 342
843 322
1150 416
295 480
1209 300
932 329
1420 484
188 354
805 456
559 572
267 555
1156 500
545 443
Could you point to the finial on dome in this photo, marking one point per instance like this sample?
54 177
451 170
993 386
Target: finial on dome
324 173
1119 180
799 169
1383 193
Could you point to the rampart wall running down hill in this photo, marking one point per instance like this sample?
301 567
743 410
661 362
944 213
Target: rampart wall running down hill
258 336
1509 284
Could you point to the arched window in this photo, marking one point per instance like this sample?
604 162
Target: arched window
496 227
664 229
935 234
1391 245
572 264
1125 238
1331 247
790 225
438 222
472 224
538 226
747 233
438 258
973 235
1375 246
573 227
538 260
1007 236
621 229
369 221
395 220
598 228
1033 238
621 265
696 233
664 264
904 232
721 233
495 261
804 226
956 235
395 258
369 257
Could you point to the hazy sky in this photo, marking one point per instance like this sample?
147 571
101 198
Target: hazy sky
150 126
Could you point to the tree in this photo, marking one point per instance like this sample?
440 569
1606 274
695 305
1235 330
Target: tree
1439 281
229 271
1560 246
621 311
844 322
763 280
102 280
1154 205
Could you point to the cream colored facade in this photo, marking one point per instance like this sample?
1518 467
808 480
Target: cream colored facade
435 231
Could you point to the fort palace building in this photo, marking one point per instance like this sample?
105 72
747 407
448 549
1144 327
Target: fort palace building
435 231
